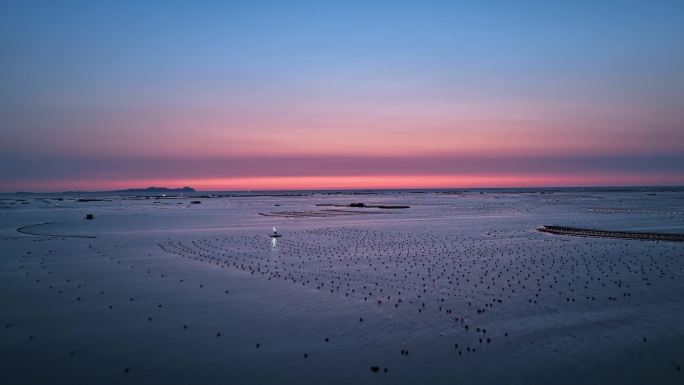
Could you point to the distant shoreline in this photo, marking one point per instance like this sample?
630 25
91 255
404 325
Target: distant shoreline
371 191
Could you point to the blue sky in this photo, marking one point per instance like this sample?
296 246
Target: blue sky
115 79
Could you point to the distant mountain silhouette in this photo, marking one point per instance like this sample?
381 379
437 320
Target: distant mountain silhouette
185 189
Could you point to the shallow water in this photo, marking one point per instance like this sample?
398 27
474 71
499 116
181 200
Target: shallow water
173 292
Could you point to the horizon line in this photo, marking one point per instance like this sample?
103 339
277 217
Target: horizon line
123 190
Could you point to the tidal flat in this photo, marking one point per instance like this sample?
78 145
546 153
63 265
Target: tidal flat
455 287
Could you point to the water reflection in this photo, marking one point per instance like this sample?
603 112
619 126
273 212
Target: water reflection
274 244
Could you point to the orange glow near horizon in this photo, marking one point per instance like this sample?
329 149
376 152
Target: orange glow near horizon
366 182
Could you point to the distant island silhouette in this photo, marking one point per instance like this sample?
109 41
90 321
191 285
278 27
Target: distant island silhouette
148 190
185 189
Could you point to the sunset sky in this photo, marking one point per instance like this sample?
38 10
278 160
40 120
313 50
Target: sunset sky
231 95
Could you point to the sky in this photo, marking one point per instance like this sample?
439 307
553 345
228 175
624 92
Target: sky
246 95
